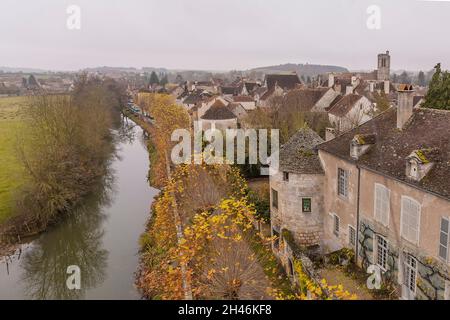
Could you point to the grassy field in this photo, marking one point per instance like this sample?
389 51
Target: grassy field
11 172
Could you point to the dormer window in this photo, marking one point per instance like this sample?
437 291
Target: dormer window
420 162
360 144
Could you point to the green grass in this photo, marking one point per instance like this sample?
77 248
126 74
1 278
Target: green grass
11 172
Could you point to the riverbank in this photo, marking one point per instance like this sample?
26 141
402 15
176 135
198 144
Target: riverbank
201 226
101 236
63 149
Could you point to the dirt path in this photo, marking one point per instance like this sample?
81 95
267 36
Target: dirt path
335 276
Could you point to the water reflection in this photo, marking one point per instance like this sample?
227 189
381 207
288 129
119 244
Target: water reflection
77 242
101 237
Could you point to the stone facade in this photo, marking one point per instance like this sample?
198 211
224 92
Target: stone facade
306 227
431 275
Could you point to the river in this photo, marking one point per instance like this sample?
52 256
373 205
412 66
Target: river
101 237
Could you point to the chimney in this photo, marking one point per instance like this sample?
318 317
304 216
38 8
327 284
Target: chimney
404 104
330 80
371 86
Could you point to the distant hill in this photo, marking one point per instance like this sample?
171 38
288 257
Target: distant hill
23 70
311 70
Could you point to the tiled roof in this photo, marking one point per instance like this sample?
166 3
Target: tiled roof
229 90
298 155
304 99
243 99
218 111
427 128
285 81
344 105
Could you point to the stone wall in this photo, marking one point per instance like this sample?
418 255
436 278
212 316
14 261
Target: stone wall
307 228
431 274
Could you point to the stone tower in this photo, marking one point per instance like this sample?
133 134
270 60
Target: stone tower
384 66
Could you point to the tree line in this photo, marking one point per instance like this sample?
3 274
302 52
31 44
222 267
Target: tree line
65 150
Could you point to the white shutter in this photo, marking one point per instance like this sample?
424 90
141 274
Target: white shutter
382 205
444 238
410 220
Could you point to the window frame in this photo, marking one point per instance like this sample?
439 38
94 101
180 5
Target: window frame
345 182
310 204
285 176
272 202
407 277
446 259
383 188
402 216
336 226
385 249
350 238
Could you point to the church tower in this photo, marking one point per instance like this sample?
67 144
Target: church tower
384 66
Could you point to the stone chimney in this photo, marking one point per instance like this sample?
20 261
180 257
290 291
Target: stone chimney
330 80
404 104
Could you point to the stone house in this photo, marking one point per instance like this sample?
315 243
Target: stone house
218 116
296 193
385 193
387 196
247 102
350 111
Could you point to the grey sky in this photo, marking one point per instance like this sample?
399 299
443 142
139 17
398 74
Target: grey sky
222 34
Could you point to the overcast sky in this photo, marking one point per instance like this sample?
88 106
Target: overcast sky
222 34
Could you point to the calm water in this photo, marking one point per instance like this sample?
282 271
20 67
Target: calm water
101 238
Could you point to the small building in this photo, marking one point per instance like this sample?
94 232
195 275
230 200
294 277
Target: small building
297 191
218 116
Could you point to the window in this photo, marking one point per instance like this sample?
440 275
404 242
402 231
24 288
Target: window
381 252
336 225
410 274
342 182
381 204
410 220
285 176
274 198
443 238
351 236
306 204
